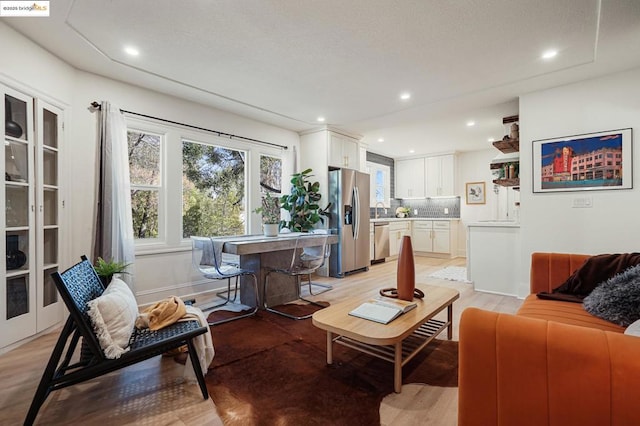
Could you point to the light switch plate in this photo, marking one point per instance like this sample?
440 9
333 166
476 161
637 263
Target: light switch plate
582 203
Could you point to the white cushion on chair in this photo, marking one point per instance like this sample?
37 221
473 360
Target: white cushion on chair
113 315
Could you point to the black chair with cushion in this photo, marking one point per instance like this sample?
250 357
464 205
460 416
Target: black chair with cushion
78 286
307 257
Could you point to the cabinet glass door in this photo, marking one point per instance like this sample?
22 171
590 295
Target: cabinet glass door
18 307
49 130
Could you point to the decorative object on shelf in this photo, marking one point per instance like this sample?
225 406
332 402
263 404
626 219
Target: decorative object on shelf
270 211
402 212
15 258
590 161
106 270
302 203
475 192
515 131
11 128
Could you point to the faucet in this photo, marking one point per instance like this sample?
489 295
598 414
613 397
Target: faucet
376 207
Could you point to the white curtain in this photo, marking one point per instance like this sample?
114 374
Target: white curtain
114 225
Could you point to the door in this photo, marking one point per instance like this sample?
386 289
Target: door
361 255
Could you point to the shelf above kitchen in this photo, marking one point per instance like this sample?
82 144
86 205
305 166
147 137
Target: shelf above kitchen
514 182
507 146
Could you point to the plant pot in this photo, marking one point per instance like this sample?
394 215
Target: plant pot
270 229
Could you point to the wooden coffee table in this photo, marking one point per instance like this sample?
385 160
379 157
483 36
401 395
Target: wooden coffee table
396 342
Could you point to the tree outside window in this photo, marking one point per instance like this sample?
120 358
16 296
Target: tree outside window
270 174
213 190
145 175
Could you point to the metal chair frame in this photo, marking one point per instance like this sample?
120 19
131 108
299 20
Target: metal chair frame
298 268
77 286
213 268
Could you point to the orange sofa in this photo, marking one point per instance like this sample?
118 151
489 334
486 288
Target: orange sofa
550 364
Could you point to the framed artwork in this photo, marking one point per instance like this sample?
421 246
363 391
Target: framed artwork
475 192
591 161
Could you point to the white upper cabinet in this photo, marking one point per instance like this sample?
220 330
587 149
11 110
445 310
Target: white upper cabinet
343 151
425 177
440 175
410 178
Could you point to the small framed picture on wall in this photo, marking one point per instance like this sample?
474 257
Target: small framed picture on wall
475 192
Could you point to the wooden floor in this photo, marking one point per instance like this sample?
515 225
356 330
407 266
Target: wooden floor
153 393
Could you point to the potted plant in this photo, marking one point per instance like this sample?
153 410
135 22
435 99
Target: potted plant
270 211
402 212
302 203
106 270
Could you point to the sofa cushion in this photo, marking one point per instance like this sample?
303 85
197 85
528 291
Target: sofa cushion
564 312
617 299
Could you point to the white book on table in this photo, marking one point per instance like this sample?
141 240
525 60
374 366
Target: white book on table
382 310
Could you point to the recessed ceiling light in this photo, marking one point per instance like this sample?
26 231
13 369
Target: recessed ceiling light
320 119
405 96
132 51
549 54
380 139
490 140
471 123
411 151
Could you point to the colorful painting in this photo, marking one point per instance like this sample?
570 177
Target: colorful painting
583 162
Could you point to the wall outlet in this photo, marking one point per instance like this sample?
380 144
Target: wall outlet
446 210
386 211
415 211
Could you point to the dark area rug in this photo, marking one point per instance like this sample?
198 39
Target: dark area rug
271 370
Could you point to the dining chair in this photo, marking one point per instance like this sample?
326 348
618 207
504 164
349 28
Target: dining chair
310 254
207 258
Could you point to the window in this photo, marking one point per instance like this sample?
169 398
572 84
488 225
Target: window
270 174
145 173
213 190
380 184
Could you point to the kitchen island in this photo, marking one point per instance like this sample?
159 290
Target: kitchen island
257 253
493 256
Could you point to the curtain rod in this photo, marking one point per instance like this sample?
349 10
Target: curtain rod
229 135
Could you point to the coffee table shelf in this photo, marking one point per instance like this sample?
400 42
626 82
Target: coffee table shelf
413 344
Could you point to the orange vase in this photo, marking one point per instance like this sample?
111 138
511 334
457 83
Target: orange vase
406 270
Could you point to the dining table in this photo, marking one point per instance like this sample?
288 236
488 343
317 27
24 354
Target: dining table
259 254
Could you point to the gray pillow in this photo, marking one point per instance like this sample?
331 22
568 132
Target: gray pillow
617 299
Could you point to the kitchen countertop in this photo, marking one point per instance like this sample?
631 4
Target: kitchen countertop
397 219
496 223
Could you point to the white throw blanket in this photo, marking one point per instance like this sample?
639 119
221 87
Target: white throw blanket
203 344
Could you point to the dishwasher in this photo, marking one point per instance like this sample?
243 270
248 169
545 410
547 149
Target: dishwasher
380 241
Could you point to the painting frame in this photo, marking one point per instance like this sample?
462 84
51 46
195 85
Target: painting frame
583 162
475 193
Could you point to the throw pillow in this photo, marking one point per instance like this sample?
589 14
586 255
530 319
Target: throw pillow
633 329
617 299
595 270
113 315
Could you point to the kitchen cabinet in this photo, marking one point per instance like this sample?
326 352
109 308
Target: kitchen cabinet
410 178
343 151
432 236
397 230
426 177
440 175
32 133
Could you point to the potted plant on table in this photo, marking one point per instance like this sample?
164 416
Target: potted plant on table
302 203
270 211
106 270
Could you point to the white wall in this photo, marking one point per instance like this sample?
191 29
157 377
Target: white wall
548 222
39 73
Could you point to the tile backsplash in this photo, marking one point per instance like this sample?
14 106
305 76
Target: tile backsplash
429 207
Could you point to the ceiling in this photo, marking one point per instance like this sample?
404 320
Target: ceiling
287 62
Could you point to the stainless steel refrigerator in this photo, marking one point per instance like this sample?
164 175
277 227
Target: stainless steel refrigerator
349 197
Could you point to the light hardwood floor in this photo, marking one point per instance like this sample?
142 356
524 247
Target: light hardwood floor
153 393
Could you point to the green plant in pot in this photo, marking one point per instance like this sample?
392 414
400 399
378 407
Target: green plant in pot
106 269
270 211
302 203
